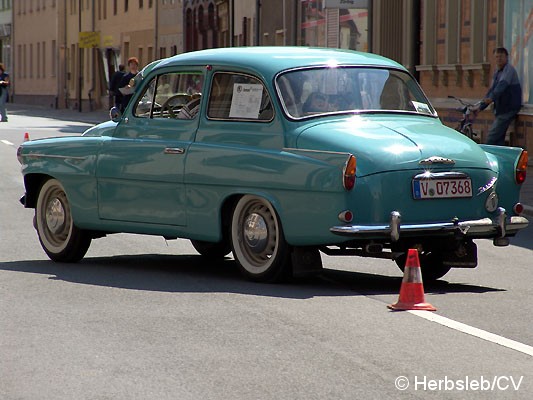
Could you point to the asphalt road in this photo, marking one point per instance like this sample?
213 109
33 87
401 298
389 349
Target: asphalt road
142 318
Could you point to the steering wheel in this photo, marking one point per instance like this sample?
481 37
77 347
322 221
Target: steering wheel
175 101
189 110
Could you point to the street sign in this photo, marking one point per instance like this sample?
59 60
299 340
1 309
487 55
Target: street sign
88 40
343 4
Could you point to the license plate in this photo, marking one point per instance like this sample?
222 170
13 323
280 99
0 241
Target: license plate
442 188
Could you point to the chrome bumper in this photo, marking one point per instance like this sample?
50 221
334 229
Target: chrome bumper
498 227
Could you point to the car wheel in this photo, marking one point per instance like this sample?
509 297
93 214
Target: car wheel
211 250
257 240
431 265
60 238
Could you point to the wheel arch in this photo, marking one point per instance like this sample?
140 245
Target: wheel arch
33 184
229 203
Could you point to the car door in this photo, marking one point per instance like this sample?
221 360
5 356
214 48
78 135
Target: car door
140 168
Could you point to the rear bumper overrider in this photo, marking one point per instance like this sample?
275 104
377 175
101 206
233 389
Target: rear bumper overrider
498 227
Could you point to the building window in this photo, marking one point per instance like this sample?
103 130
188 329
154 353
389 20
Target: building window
518 39
141 3
38 59
126 5
54 58
31 60
43 64
347 27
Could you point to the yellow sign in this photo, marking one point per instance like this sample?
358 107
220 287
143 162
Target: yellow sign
89 40
108 41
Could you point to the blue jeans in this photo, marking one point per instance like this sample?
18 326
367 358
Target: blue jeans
3 100
499 127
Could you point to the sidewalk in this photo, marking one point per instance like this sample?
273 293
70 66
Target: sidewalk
97 116
88 117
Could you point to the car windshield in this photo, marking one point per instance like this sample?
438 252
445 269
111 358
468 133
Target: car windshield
310 92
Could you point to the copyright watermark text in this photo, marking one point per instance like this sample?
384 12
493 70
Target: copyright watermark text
467 383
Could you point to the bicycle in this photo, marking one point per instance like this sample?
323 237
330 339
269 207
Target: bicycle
469 112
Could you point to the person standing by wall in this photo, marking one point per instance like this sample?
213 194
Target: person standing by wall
126 86
506 94
114 83
4 84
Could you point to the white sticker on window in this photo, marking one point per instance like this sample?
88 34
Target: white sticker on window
246 100
421 107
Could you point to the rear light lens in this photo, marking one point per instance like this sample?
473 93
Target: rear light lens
518 209
521 168
349 173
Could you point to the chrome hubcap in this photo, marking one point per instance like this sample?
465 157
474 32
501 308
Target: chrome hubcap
256 233
55 216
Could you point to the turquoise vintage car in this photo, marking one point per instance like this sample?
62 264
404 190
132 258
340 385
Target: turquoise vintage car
277 154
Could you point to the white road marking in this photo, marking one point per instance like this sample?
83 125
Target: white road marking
7 142
470 330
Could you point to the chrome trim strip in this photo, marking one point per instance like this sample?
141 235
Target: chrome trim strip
39 155
488 186
294 149
440 175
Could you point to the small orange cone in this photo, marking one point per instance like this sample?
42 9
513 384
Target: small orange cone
26 137
412 289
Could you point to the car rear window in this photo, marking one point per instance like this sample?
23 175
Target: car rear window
314 91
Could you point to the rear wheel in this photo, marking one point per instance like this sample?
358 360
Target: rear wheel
257 240
431 265
59 237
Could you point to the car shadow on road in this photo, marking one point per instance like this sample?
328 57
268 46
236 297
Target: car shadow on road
196 274
371 284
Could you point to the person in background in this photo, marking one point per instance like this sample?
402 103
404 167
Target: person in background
506 94
4 84
114 83
126 81
316 102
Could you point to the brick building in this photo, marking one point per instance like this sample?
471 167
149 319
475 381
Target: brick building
446 44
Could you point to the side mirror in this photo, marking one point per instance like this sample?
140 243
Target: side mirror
114 114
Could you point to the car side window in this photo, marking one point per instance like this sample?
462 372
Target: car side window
174 95
239 97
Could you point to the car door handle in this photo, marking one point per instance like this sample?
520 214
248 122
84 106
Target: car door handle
174 150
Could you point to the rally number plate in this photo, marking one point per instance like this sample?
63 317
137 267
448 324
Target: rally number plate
442 188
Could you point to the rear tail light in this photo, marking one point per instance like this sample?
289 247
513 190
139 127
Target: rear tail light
518 209
521 168
349 173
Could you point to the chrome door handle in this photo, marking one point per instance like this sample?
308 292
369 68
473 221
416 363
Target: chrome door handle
174 150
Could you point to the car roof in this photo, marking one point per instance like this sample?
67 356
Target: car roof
270 60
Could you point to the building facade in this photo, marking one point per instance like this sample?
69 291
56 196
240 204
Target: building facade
6 15
456 57
446 44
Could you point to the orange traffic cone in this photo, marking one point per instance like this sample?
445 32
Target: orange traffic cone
412 289
26 136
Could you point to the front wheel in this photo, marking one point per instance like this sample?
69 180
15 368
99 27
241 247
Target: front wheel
431 265
257 240
60 238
